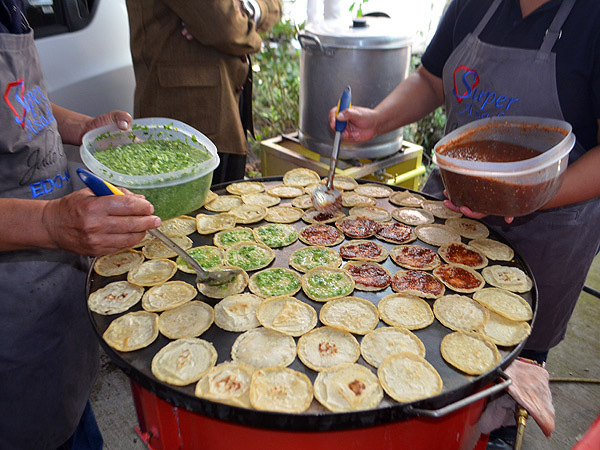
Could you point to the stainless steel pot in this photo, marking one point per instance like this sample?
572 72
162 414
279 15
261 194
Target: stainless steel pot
372 55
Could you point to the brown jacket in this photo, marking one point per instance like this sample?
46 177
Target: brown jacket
197 82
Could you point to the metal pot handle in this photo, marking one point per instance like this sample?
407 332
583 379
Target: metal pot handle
467 400
309 40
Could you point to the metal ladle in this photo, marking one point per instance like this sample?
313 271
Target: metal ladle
326 197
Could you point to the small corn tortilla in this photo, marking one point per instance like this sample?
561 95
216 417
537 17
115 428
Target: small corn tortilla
300 177
228 382
132 331
418 283
408 311
459 312
471 353
178 226
275 282
493 249
168 295
261 199
303 202
223 203
238 312
407 198
348 387
312 215
407 377
396 233
233 286
352 314
505 303
469 228
276 235
351 198
246 214
412 216
152 272
505 332
249 348
436 234
325 347
285 191
280 389
284 214
211 223
186 321
385 341
372 212
227 238
459 278
118 263
156 249
416 257
363 250
342 182
439 210
374 190
321 234
507 277
306 258
459 253
249 255
207 256
245 187
358 227
286 314
184 361
368 275
322 284
115 298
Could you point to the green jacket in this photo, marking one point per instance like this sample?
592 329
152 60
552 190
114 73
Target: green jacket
197 82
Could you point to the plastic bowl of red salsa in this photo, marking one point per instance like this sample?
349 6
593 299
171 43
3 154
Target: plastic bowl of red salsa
167 161
504 166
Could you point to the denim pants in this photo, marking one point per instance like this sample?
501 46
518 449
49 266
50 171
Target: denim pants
87 435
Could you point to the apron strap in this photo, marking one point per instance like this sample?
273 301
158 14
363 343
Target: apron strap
488 15
554 31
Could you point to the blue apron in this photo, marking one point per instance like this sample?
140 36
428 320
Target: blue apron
48 351
483 80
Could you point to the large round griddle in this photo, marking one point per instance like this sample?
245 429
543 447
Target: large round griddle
457 386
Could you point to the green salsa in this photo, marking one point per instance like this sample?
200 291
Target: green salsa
323 285
276 282
205 257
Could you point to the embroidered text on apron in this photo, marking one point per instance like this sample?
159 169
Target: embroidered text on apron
483 80
48 352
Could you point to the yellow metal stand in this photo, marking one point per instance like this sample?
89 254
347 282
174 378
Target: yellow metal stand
282 153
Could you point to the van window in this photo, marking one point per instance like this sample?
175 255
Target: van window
51 17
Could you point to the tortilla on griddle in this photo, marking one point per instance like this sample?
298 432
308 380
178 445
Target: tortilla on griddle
280 389
237 312
186 321
249 348
284 214
184 361
505 303
245 187
459 312
226 238
469 228
168 295
418 283
507 277
416 257
156 249
439 210
276 235
286 314
412 216
459 278
326 347
115 298
352 314
228 382
249 255
459 253
368 275
322 284
285 191
118 263
261 199
211 223
152 272
301 177
132 331
403 310
207 256
407 198
505 332
363 250
306 258
493 249
348 387
245 214
436 234
470 352
223 203
385 341
274 282
231 287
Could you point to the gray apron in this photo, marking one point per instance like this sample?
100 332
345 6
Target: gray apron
48 351
483 80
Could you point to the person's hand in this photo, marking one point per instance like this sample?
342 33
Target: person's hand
121 118
468 212
361 123
83 223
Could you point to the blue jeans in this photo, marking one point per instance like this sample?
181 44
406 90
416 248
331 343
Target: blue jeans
87 436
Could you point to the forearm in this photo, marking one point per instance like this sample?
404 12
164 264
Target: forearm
22 226
580 181
71 124
414 98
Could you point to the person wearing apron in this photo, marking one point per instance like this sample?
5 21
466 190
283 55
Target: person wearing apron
479 80
48 351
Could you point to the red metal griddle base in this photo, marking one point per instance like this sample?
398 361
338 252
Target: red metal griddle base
167 427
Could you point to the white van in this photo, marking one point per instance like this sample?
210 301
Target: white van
84 52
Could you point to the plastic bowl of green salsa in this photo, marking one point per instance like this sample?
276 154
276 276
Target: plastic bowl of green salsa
167 161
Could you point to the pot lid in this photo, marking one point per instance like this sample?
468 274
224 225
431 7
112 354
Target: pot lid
363 33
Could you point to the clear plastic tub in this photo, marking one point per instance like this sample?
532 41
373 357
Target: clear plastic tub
173 193
506 188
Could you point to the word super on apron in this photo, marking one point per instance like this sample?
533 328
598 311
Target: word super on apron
483 80
48 352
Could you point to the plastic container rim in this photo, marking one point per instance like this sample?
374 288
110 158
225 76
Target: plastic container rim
151 181
505 169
